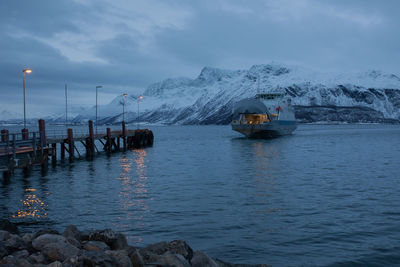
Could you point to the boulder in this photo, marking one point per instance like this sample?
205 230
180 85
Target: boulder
179 247
72 262
135 257
171 259
39 242
95 245
8 226
121 256
55 264
74 242
21 254
23 263
45 231
182 248
72 232
3 250
148 253
59 251
119 243
4 235
200 259
106 236
27 238
97 258
14 243
8 261
37 258
114 240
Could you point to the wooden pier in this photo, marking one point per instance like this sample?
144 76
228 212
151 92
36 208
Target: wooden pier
22 150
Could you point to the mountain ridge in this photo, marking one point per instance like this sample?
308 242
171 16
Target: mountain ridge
371 96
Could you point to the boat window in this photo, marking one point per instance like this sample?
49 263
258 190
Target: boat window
255 118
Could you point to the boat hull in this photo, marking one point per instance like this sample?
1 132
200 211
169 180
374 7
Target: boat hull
265 130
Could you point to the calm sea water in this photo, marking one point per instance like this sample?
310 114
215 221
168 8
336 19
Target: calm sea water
326 195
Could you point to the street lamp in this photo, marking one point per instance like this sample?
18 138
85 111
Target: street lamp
123 107
138 117
23 77
97 87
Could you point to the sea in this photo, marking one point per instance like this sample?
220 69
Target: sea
327 195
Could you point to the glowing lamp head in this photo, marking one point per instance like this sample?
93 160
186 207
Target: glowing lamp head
140 97
27 71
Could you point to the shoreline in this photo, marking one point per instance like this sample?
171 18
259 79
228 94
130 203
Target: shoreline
48 247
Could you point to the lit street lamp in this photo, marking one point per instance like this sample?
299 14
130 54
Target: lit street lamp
97 87
138 117
123 106
23 75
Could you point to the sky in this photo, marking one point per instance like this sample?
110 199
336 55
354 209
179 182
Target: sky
126 45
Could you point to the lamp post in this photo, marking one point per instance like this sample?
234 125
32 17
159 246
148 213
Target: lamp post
138 117
123 106
23 77
97 87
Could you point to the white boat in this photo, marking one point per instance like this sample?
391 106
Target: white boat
266 115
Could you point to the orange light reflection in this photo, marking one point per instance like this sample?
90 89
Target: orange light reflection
33 207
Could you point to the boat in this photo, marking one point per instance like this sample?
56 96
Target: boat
266 115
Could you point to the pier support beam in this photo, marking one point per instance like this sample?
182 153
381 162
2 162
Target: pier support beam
124 135
71 145
108 143
62 150
90 142
25 134
42 130
54 153
4 135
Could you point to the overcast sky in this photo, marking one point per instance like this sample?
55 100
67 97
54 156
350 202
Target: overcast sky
125 45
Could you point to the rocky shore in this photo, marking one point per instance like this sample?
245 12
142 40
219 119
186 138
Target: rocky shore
48 247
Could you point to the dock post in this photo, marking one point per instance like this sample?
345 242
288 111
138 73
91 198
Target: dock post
90 144
62 144
70 145
4 135
54 153
14 149
25 134
124 134
108 143
34 145
42 130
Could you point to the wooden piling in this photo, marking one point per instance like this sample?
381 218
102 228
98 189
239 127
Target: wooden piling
108 142
4 135
124 135
90 144
25 134
54 153
62 150
70 145
42 130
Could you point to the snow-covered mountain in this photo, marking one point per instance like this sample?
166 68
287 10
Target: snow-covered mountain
370 96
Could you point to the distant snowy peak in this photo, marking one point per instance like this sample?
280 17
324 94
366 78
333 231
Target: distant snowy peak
270 76
165 85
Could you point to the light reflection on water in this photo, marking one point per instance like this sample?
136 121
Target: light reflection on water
31 206
133 195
